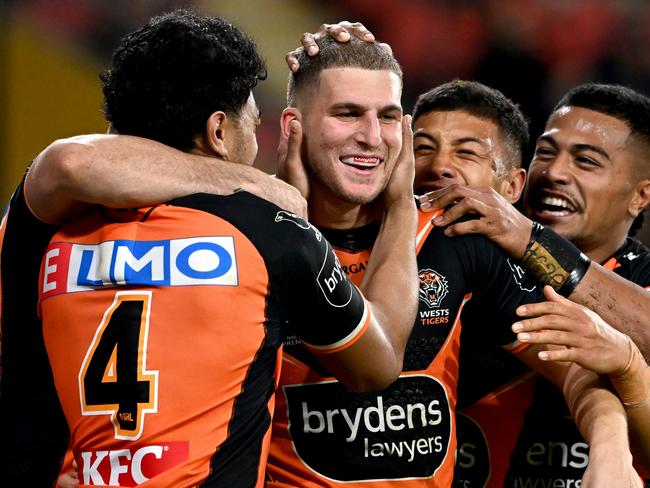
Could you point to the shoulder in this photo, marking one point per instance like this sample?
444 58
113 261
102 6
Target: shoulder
632 261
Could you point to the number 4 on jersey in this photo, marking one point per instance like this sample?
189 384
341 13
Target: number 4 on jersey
113 379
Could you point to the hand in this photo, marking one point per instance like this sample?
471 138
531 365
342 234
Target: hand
69 479
497 218
400 184
291 168
341 32
589 341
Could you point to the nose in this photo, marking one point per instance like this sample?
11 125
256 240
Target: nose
369 131
558 170
440 166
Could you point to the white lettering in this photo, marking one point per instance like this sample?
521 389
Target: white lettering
353 425
90 472
49 269
154 257
395 412
136 464
379 412
306 415
116 468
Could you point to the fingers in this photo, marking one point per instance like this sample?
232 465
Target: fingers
294 142
341 32
444 197
308 42
435 199
559 355
68 480
290 165
356 29
556 304
386 47
407 139
336 31
466 204
551 336
292 60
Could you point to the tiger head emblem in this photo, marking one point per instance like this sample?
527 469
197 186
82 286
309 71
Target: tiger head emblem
433 287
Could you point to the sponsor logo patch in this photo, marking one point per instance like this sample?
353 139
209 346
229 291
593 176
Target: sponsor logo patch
130 466
521 278
284 216
472 456
333 282
433 287
402 432
71 267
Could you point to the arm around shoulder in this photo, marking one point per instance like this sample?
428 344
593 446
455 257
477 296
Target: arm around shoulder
120 171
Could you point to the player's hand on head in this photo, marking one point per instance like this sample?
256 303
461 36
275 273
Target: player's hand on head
342 32
290 166
587 339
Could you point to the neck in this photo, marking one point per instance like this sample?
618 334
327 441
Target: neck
328 210
600 252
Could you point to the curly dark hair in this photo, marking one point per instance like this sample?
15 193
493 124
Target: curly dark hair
169 76
484 102
622 103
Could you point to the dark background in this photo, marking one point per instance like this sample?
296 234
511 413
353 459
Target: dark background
533 50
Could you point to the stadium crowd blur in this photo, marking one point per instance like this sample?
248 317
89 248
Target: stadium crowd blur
532 50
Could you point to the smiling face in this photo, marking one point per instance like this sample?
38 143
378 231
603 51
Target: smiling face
582 179
457 147
352 133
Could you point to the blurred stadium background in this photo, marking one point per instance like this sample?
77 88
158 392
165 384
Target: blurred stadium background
51 52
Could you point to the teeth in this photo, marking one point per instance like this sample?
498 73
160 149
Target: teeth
558 202
360 161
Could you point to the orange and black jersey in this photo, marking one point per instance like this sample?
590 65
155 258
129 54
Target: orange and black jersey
514 428
163 325
33 430
404 435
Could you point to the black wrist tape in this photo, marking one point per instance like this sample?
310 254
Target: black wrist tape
554 261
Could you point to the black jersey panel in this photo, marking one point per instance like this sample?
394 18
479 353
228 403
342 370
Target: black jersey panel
33 430
322 305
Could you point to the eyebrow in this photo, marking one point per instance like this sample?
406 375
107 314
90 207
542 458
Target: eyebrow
455 142
579 147
423 134
463 140
360 108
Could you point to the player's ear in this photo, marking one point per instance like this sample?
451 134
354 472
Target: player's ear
288 114
640 199
218 128
513 184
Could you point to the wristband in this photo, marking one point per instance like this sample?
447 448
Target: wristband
554 261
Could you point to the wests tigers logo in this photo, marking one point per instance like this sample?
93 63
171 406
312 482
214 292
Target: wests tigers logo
433 287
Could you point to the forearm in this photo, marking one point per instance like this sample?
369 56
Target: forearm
633 388
554 261
597 412
390 283
122 172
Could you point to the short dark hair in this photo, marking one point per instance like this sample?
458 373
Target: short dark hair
619 102
483 102
169 76
333 54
